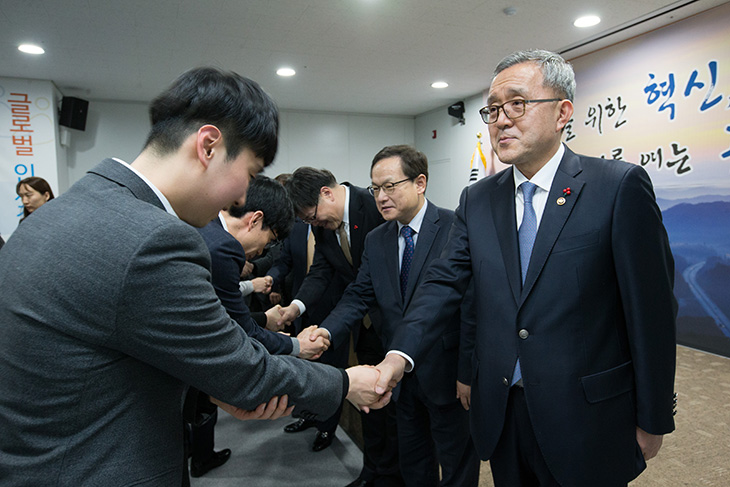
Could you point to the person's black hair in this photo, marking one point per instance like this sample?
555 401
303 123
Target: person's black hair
268 196
304 187
246 116
412 162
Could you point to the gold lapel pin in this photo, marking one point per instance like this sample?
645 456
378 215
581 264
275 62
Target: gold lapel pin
561 201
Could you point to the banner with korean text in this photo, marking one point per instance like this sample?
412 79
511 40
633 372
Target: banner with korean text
28 121
662 100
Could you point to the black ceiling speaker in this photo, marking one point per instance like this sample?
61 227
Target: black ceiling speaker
457 111
73 113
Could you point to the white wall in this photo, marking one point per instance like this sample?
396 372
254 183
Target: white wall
450 152
113 129
344 144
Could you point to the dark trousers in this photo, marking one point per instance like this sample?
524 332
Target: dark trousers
379 428
336 357
517 460
430 435
200 416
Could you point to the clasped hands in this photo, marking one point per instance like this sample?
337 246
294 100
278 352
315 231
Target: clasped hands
371 386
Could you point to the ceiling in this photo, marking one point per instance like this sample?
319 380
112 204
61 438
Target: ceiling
355 56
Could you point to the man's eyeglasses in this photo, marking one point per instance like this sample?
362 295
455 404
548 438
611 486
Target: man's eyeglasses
387 188
512 109
272 242
311 219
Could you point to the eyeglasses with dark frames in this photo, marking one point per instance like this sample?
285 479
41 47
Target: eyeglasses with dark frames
311 219
387 188
512 109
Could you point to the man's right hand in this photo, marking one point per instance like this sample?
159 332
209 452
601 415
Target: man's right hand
362 388
313 342
287 315
391 370
272 319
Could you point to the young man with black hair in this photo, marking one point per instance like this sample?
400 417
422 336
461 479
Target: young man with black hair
95 359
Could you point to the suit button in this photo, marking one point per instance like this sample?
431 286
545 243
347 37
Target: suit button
505 381
524 334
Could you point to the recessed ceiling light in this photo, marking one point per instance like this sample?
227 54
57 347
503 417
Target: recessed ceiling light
30 49
286 72
439 84
587 21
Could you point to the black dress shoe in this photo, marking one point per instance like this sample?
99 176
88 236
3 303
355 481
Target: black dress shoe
358 482
322 440
216 460
300 425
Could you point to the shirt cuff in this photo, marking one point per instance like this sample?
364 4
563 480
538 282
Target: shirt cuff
409 365
345 384
294 347
299 305
246 287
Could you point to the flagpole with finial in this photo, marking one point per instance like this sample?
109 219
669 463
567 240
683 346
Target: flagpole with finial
478 170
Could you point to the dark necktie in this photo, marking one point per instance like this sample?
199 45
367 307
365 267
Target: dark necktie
527 233
405 266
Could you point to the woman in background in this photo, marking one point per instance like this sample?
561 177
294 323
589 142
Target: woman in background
34 192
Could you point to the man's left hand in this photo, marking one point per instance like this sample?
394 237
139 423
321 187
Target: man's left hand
650 444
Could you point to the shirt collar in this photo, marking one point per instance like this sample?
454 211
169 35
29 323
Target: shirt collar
223 221
158 193
346 213
543 178
417 220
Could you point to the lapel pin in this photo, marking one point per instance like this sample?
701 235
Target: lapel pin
561 200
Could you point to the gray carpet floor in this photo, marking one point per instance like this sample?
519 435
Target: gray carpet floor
262 455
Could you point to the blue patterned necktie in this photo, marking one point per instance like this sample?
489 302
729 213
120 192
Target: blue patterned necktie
528 228
527 233
405 266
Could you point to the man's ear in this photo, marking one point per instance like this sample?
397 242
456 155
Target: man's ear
566 112
208 142
420 183
326 192
256 219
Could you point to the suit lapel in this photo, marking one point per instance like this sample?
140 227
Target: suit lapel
426 237
555 215
503 213
357 235
390 251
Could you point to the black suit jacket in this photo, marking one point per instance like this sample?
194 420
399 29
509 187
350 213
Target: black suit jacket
227 260
594 324
378 283
330 272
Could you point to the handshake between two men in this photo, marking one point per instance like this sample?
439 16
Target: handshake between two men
370 387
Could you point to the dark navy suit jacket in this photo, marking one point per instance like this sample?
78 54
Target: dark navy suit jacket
378 283
330 272
594 323
292 260
227 260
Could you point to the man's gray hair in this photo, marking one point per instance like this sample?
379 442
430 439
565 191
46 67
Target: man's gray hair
557 73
